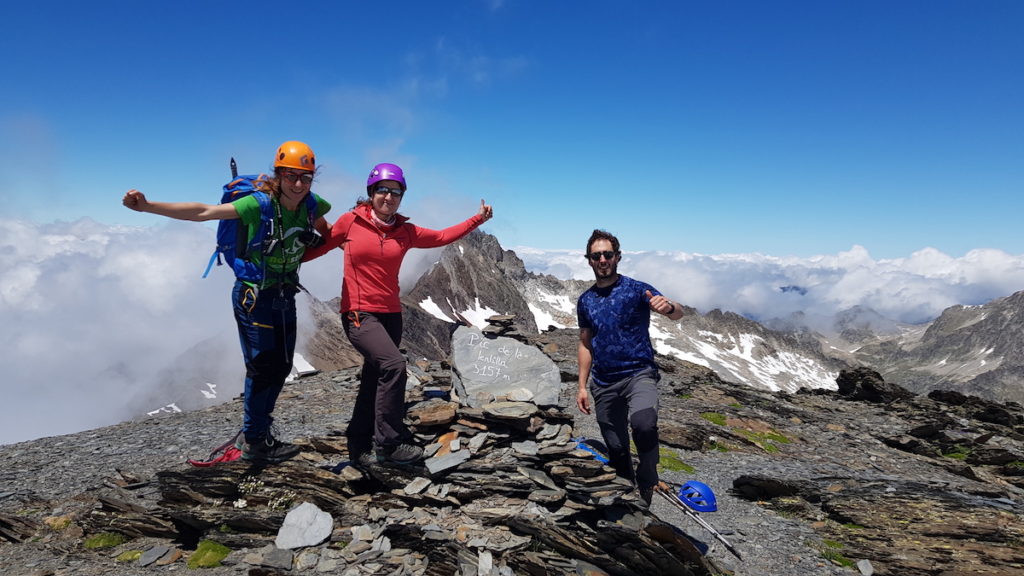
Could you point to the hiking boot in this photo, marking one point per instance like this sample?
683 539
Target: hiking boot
401 454
240 438
270 450
640 497
362 459
646 495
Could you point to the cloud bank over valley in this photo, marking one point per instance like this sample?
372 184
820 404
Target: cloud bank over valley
98 319
911 290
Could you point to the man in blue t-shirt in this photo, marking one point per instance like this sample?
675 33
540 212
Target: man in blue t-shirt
615 353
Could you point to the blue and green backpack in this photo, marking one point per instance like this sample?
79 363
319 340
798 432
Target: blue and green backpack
233 246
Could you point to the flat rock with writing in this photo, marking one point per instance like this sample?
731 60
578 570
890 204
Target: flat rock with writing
501 368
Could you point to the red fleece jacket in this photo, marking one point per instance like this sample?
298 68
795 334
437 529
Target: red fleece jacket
374 255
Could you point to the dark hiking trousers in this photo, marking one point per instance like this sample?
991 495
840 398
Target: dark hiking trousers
266 331
630 403
380 405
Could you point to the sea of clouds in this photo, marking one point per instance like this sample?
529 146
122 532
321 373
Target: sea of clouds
910 290
98 319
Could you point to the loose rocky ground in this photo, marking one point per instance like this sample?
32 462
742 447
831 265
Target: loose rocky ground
807 485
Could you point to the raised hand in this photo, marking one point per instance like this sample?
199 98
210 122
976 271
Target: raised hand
486 212
135 200
659 303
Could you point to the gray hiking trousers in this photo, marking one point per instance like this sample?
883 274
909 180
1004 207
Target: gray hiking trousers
630 403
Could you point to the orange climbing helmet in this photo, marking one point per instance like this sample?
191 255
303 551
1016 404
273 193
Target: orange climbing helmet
295 154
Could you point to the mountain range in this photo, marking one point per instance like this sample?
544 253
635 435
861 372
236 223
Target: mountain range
819 468
974 350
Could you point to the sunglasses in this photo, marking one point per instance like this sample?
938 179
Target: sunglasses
396 192
596 256
294 177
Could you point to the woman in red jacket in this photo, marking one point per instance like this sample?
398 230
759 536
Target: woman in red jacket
375 238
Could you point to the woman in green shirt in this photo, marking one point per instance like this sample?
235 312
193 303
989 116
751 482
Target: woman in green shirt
264 304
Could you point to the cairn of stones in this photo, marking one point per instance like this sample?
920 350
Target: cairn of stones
506 487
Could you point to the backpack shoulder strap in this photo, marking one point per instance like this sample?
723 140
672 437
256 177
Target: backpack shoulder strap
266 225
312 202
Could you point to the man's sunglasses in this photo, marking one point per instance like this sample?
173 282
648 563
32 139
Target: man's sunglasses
396 192
294 177
596 256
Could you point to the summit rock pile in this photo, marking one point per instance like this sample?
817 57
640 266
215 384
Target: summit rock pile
504 489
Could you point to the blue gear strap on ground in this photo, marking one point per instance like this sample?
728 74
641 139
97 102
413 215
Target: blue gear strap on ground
582 444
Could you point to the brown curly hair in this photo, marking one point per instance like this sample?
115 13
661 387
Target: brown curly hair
599 234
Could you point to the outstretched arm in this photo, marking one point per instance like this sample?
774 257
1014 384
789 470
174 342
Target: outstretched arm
193 211
427 238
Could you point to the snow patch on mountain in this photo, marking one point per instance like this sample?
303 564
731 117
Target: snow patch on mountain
543 318
559 301
430 307
479 314
743 358
171 408
550 309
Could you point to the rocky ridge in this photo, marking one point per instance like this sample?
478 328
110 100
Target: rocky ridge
475 274
867 479
972 349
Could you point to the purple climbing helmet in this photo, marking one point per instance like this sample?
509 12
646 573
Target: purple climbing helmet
385 171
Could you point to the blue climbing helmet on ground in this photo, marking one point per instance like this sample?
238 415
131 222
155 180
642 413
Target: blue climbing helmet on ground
698 495
234 247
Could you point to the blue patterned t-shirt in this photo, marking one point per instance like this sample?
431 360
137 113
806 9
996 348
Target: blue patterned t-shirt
618 317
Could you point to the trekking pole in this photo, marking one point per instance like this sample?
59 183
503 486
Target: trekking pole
234 168
664 490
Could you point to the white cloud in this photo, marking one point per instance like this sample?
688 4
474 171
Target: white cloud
913 290
97 318
92 315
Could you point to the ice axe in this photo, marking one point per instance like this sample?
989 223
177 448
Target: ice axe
695 497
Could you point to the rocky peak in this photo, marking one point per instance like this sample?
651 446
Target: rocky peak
973 349
859 324
475 274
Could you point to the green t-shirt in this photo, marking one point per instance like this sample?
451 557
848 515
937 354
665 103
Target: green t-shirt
282 264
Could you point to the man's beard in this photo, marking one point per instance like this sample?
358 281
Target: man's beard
601 273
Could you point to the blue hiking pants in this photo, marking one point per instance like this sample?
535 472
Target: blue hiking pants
266 331
630 403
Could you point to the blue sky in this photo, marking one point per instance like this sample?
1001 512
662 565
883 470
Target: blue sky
869 152
780 128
